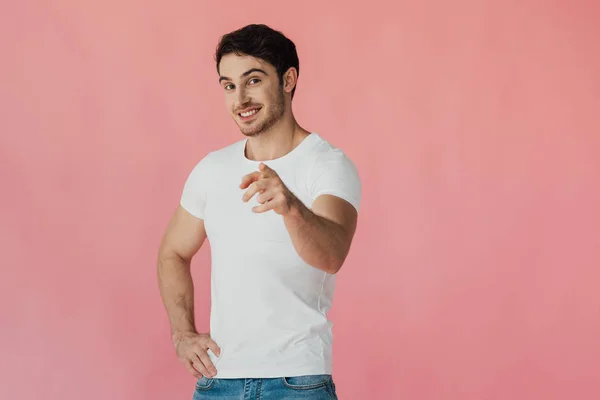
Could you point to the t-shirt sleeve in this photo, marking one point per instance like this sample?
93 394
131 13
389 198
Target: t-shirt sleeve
335 174
193 198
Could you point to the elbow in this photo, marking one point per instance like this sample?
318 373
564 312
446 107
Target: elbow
335 264
328 259
331 265
338 254
334 269
338 258
166 255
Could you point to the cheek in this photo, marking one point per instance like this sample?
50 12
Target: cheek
229 103
265 95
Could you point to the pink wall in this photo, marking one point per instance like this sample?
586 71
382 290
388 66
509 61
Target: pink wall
475 125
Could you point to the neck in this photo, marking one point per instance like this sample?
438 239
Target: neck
278 141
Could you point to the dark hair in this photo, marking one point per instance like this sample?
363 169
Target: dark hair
261 41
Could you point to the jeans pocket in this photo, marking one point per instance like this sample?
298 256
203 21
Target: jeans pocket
306 382
205 383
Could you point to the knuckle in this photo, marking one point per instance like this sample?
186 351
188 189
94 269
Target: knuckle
205 338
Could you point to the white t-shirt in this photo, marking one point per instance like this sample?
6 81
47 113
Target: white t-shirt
268 306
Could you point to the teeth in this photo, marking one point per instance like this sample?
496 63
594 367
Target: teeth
249 113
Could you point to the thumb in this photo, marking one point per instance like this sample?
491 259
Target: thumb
265 170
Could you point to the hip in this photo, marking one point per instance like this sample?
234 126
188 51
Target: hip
315 387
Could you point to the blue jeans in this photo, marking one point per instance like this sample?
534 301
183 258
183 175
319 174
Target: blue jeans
313 387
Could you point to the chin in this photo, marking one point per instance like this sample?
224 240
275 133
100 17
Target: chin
252 130
259 126
249 134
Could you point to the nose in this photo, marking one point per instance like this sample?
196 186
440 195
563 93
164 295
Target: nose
241 98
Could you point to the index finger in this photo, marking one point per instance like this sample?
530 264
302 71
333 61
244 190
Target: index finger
214 347
205 359
190 367
249 178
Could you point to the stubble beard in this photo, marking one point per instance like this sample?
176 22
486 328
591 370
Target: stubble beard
275 113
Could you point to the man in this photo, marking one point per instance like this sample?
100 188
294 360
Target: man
279 209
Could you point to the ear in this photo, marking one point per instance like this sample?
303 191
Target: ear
290 78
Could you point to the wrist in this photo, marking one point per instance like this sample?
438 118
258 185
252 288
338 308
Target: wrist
297 209
176 336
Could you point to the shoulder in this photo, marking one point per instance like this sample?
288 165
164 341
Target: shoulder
205 172
334 173
224 154
328 156
219 157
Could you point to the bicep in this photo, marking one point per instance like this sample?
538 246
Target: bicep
184 235
337 210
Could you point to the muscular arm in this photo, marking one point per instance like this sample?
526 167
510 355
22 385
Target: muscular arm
322 236
183 238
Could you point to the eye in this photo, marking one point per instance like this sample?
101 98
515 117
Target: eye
228 87
255 80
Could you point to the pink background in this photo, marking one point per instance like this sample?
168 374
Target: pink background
475 273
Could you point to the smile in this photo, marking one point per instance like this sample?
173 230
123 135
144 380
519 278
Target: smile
249 113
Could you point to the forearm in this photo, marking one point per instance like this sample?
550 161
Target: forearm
177 292
319 241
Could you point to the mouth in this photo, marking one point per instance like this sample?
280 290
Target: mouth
249 114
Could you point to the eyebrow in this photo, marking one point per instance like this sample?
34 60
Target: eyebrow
224 78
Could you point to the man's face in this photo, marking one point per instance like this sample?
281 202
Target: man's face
253 93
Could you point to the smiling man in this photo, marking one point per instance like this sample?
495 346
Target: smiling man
279 208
